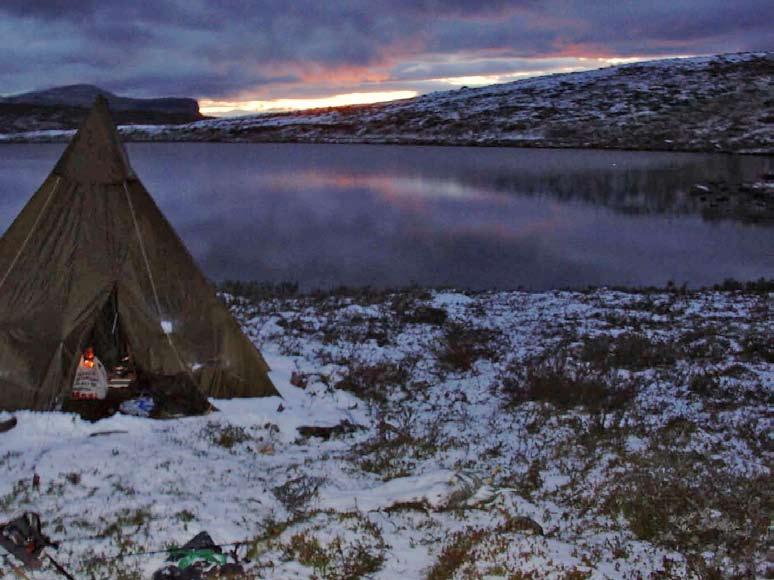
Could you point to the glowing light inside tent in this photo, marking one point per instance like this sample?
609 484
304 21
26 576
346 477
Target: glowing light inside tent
88 357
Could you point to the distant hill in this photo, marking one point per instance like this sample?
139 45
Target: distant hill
711 103
65 107
84 95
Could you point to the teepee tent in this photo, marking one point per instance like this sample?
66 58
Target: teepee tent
91 244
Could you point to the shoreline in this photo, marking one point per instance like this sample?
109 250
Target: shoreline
258 291
23 139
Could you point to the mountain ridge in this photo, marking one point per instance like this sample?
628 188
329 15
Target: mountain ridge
83 95
65 107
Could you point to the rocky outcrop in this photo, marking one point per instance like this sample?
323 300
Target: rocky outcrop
65 108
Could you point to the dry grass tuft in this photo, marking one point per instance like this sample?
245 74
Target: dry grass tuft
628 351
566 386
340 559
373 382
672 500
463 345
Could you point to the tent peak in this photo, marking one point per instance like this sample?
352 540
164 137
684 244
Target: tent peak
96 154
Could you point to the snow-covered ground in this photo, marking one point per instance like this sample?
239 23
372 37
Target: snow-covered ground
709 103
601 434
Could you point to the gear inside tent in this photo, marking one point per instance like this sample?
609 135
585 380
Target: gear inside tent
93 276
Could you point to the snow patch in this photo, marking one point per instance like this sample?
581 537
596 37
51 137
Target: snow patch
437 490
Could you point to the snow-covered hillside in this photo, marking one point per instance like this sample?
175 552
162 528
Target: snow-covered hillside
506 434
720 103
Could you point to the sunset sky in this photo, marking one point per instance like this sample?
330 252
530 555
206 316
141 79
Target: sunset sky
248 56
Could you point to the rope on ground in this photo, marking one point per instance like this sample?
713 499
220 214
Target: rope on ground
60 568
154 552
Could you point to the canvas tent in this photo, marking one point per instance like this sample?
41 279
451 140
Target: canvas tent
91 244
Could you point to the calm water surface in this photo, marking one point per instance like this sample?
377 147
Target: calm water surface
326 215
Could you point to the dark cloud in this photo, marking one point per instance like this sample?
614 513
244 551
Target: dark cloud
273 48
49 9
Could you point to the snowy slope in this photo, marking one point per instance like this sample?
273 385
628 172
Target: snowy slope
695 104
459 472
691 104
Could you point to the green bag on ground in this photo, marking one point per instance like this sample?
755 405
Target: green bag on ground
190 557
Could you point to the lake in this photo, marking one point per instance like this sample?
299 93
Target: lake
479 218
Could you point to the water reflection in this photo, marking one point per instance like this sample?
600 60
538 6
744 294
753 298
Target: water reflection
481 218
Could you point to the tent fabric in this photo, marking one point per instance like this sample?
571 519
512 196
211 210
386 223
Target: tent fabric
90 232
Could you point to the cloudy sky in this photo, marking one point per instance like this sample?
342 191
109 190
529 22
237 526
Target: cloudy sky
267 54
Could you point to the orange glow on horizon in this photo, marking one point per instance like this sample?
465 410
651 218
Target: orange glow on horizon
593 58
216 108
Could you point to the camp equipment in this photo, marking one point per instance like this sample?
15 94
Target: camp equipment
24 539
91 380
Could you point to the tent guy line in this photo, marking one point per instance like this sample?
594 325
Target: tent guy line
32 230
144 253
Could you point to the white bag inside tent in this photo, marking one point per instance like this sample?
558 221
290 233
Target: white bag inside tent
91 381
